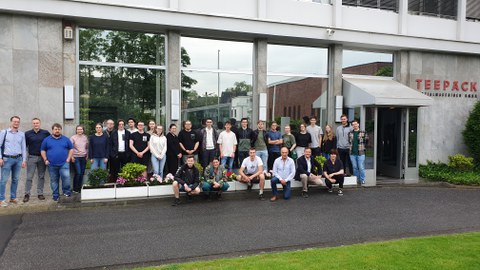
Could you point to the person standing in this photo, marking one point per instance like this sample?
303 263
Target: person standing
343 145
151 127
139 145
245 140
289 142
80 156
120 151
251 172
13 158
303 140
316 134
275 141
209 137
260 141
283 173
189 141
308 171
110 127
333 172
358 139
329 141
57 151
227 143
174 153
34 139
98 148
158 149
132 125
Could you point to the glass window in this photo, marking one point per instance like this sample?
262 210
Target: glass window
367 63
370 129
114 82
120 93
297 83
412 137
440 8
122 47
381 4
473 10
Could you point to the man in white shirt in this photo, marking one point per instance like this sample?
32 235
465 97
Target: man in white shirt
227 142
251 172
316 134
283 173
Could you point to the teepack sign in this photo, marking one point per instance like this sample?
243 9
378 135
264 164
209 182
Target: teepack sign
446 85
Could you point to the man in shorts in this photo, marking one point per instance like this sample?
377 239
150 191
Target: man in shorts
251 172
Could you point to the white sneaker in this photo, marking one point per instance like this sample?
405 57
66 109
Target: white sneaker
3 204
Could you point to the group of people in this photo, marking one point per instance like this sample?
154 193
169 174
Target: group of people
260 153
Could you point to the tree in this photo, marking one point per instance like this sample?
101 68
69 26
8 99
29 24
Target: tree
471 133
385 71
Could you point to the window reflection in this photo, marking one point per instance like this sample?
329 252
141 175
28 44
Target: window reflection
367 63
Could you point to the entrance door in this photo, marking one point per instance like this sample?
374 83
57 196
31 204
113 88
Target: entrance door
389 144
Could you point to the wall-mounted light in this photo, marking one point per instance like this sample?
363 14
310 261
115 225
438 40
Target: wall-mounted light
330 32
68 33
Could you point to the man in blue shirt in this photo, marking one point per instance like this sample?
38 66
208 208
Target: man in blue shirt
34 139
57 151
275 141
283 173
13 157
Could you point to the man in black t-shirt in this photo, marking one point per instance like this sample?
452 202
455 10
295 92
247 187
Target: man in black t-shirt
333 172
139 145
189 141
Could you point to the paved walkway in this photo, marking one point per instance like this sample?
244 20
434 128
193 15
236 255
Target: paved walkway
155 232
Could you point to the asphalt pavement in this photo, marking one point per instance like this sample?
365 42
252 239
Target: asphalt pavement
154 232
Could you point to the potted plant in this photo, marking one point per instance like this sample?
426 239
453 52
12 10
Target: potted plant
96 189
132 181
158 186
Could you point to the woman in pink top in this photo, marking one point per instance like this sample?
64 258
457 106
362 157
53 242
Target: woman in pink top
80 155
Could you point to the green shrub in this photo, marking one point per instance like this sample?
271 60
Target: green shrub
460 162
97 177
471 133
442 172
131 171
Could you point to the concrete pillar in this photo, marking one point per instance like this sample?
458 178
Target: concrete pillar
335 79
402 17
461 18
259 75
401 67
337 14
174 78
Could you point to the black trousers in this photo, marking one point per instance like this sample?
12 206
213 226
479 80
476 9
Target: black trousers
338 178
271 159
116 163
345 158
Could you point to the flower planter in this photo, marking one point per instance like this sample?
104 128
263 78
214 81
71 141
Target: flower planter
160 190
101 193
131 192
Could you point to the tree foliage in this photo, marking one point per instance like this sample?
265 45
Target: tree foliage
471 134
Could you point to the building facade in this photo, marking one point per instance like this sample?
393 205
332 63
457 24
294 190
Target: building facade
81 62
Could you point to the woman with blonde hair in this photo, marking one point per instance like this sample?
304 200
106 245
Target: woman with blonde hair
329 141
158 149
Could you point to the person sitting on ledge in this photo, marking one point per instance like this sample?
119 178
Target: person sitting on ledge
333 172
215 179
283 173
308 171
251 172
187 179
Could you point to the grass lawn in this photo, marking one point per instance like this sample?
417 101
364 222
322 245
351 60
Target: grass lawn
457 251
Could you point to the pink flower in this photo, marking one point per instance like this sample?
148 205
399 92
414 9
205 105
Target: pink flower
121 181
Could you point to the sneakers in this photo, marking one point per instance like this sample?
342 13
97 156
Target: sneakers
304 194
14 201
41 197
219 196
67 194
261 197
55 199
176 202
26 198
340 192
249 186
330 190
3 204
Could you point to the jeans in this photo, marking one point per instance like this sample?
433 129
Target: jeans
326 155
98 163
358 164
158 165
287 191
80 163
207 187
263 155
35 163
57 172
230 162
13 165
